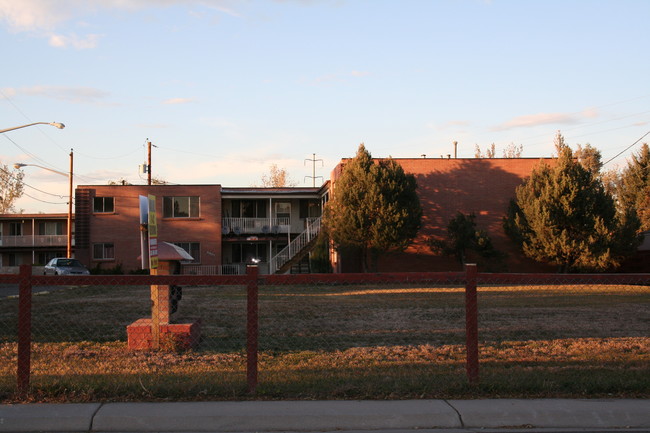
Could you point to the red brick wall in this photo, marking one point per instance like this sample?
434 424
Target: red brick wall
448 186
123 226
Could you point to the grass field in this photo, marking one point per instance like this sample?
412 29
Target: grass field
370 342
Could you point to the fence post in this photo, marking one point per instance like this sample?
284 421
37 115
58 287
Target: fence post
471 323
252 328
24 329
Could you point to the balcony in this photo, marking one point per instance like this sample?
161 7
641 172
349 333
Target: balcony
34 241
243 226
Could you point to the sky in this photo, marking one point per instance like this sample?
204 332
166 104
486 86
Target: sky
223 89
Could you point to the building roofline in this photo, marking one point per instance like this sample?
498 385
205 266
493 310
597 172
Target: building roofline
14 216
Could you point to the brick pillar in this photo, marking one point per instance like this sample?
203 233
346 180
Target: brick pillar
160 308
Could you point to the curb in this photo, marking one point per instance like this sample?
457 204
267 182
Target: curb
325 415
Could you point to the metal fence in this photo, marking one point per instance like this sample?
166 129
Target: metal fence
410 335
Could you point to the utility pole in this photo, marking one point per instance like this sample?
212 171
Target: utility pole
69 229
313 170
148 162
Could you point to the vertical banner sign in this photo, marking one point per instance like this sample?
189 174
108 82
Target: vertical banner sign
144 238
153 234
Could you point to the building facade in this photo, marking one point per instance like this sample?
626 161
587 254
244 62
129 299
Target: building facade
32 239
446 186
223 229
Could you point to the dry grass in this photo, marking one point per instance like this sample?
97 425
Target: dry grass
341 342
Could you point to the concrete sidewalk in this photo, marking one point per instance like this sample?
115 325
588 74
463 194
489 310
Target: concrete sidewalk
265 416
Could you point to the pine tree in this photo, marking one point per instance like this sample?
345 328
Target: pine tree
562 215
374 208
634 186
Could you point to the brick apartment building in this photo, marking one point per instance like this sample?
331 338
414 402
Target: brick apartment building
221 228
32 238
450 185
225 228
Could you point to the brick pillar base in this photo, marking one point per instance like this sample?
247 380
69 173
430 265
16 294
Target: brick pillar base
174 337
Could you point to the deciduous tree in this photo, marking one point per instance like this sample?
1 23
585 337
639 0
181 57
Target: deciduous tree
277 178
374 208
11 188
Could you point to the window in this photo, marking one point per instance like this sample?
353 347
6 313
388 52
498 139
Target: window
103 205
283 210
103 251
16 259
245 253
193 248
309 208
181 207
50 228
15 229
249 208
43 258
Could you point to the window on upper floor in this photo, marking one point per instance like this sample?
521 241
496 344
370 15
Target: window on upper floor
249 208
309 208
15 229
193 248
103 251
51 228
181 207
103 204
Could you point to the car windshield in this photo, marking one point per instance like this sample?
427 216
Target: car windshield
68 263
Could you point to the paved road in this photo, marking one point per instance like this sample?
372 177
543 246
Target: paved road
328 416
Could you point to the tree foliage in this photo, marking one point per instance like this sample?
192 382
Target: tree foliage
633 186
277 178
590 158
374 208
11 188
511 151
562 215
463 236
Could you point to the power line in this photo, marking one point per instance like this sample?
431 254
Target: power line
42 201
626 149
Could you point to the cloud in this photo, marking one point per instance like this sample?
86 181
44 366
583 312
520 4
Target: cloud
87 95
74 41
38 15
536 120
43 17
176 101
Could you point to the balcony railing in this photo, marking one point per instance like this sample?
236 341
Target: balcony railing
255 225
229 269
34 241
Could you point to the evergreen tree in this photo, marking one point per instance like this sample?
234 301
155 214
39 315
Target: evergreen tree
562 215
634 186
374 208
463 236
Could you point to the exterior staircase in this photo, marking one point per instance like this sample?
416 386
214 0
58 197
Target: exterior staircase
297 249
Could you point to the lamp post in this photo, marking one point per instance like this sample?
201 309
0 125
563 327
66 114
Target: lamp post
58 125
69 176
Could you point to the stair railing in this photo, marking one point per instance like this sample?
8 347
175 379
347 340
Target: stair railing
296 245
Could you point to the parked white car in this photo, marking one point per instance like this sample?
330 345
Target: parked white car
65 266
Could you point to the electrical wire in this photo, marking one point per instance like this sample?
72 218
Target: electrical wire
626 149
10 174
42 201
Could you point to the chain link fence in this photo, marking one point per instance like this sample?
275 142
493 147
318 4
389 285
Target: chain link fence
330 336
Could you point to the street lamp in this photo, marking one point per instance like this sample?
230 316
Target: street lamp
69 176
58 125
